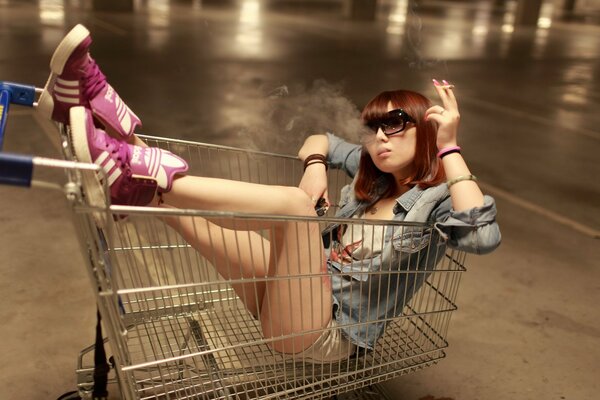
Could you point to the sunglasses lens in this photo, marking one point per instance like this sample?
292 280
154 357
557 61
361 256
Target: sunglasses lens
394 122
393 125
373 125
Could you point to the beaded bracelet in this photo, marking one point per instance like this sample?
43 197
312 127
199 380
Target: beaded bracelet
316 159
448 150
460 179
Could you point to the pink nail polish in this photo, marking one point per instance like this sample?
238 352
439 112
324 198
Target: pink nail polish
436 83
445 82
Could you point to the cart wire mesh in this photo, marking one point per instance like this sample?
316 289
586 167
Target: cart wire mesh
179 330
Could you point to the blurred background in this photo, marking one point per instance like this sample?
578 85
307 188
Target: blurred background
264 74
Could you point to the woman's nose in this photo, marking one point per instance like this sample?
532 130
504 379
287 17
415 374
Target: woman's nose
381 136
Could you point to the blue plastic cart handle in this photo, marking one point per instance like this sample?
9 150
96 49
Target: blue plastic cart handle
4 103
15 169
14 93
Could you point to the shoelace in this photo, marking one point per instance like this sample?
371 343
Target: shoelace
114 146
94 80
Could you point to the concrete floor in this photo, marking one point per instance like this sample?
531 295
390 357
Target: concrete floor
528 325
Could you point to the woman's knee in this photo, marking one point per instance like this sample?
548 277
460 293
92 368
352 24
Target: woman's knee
299 202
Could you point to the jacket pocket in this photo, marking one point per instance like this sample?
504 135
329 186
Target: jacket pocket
412 240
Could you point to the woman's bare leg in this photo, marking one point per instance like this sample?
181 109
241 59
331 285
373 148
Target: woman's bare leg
298 302
236 255
229 195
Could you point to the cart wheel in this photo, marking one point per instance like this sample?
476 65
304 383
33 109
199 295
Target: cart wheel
74 395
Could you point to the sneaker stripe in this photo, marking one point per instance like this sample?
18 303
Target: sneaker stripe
120 104
101 158
157 158
121 114
67 99
109 166
114 176
59 89
64 82
152 161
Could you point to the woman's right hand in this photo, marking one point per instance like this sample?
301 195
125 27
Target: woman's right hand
314 182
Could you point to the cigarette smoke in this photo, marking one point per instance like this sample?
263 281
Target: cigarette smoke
291 113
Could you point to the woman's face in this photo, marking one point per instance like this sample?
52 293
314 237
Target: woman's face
395 153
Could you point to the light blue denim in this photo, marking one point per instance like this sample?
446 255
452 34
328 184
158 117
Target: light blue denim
361 306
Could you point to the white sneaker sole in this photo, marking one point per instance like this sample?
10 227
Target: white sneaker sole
57 65
92 186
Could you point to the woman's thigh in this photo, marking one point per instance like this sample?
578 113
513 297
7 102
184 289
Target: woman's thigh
297 301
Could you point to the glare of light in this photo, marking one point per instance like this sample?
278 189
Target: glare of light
481 23
396 27
576 89
544 23
249 36
545 19
507 28
158 10
508 19
397 18
159 21
394 30
480 30
52 12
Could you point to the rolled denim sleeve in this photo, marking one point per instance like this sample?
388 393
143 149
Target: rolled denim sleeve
343 155
474 230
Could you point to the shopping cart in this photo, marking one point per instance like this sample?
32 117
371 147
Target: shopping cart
177 329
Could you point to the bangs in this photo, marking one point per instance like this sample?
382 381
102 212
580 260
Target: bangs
412 103
376 109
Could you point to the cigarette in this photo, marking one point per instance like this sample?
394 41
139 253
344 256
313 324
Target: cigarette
447 86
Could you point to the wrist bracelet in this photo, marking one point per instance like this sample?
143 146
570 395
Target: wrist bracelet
448 150
315 157
316 162
460 179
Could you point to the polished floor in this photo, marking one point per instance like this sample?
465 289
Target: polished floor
262 74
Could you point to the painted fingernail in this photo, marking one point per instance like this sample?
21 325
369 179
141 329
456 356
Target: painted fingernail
445 82
436 83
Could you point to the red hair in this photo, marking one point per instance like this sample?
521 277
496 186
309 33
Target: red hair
427 170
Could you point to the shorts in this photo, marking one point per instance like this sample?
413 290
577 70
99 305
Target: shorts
331 346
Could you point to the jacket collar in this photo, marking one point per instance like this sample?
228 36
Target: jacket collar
408 199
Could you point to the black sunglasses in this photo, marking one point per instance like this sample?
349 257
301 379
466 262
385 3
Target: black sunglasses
391 123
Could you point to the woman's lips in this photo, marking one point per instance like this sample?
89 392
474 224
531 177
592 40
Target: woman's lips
383 152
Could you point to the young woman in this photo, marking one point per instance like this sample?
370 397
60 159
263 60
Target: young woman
408 168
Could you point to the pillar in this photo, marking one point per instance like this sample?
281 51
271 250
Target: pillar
360 9
569 5
113 5
528 12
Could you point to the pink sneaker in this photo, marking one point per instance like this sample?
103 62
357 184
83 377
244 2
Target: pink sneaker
76 80
134 173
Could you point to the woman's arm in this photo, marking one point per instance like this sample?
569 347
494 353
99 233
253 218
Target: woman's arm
314 179
465 193
314 144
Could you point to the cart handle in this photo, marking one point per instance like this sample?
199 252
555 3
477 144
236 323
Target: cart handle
14 93
17 169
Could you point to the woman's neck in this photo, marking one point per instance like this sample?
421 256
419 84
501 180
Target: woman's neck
399 190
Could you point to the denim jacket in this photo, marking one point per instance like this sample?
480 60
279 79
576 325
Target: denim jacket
364 295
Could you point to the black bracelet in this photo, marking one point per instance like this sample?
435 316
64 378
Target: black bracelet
449 152
316 162
315 157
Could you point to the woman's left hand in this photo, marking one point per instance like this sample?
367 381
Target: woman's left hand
446 116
